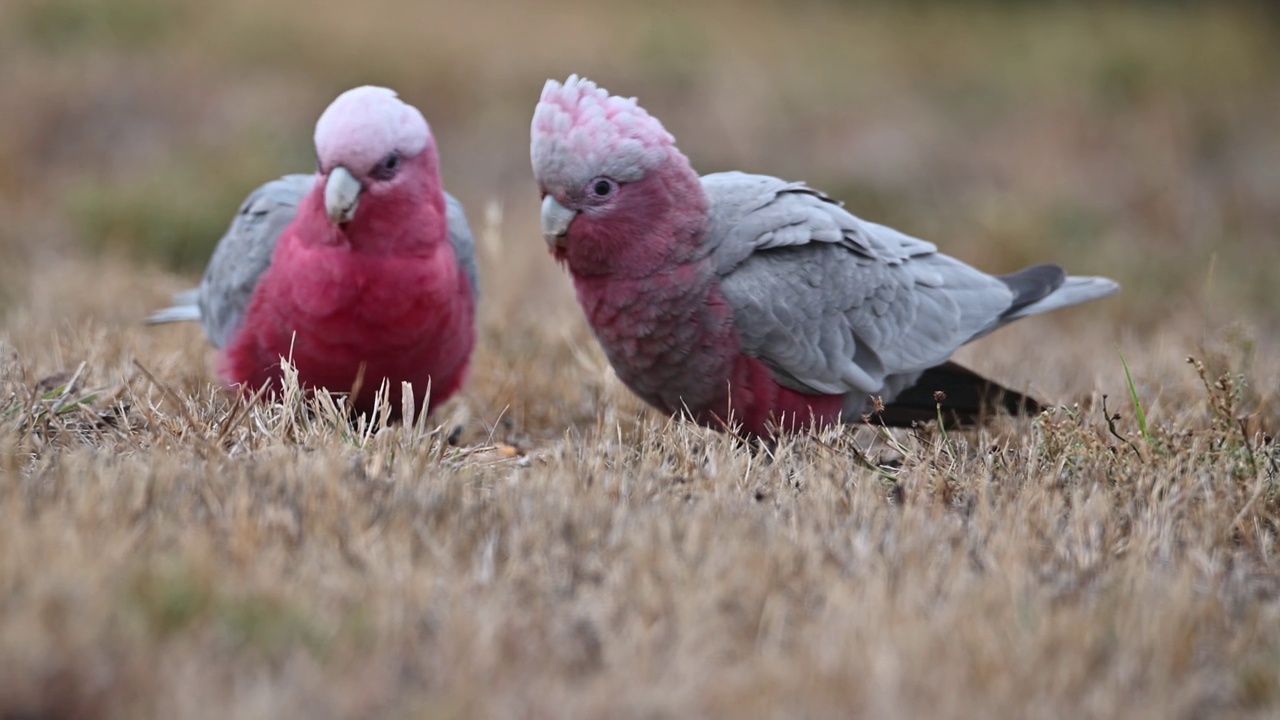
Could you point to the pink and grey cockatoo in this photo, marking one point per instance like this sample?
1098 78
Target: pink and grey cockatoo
365 269
751 300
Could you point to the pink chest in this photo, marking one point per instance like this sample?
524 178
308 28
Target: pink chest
671 340
401 318
756 402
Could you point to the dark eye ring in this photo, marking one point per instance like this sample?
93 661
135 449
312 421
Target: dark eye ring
602 188
386 167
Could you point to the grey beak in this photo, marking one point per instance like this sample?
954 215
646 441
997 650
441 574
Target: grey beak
341 195
556 219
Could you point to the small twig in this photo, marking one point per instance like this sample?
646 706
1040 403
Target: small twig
1111 425
1248 446
67 390
166 391
494 427
239 413
356 385
1248 505
940 397
858 455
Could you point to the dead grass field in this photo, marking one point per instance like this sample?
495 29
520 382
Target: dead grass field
165 553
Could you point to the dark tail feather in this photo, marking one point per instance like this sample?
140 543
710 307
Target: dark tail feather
1033 284
969 399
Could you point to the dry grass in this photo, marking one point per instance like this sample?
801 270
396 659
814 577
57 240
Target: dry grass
167 552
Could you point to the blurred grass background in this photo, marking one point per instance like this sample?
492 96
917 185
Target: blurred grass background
1031 568
1138 140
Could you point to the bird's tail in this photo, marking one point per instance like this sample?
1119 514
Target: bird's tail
185 308
1044 288
960 396
1073 291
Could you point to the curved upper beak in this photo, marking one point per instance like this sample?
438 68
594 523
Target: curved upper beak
556 220
341 195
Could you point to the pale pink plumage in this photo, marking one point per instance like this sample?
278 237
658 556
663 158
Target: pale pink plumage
642 274
746 299
373 277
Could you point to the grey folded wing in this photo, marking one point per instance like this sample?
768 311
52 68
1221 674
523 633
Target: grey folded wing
464 245
834 304
244 253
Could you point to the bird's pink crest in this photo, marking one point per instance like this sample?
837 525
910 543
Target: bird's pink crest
580 132
365 124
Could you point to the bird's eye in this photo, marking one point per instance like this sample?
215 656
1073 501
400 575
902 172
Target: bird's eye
386 167
602 187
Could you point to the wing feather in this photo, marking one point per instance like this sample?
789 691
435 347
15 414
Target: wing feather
834 304
244 253
464 244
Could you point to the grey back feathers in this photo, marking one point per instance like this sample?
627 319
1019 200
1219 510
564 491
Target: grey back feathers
245 252
464 243
837 305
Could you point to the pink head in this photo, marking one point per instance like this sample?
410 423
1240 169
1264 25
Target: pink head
609 174
376 159
580 131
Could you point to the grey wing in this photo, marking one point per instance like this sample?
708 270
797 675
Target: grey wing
834 304
464 245
244 253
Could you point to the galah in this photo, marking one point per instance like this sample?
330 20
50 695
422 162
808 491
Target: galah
362 273
753 302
